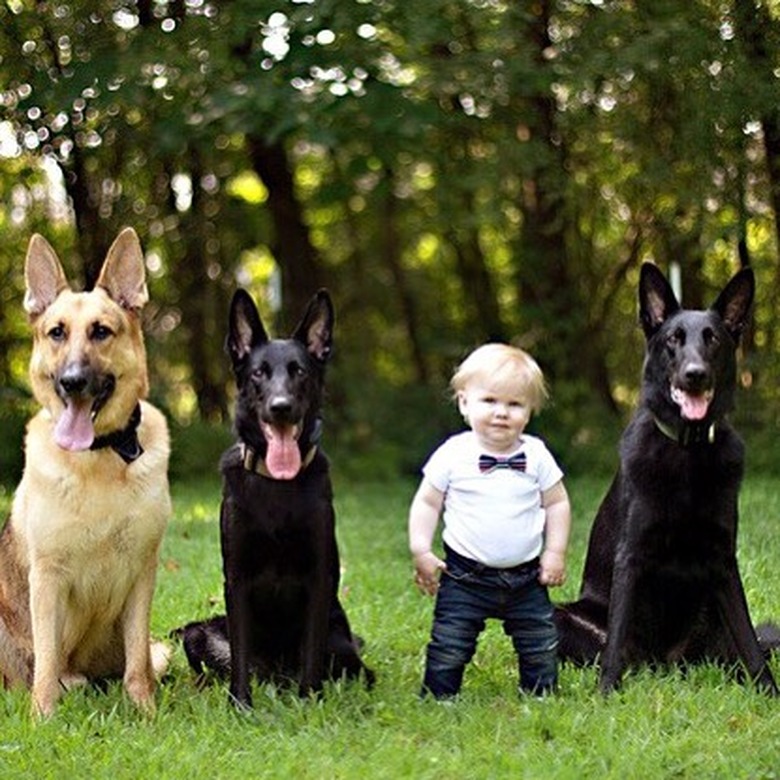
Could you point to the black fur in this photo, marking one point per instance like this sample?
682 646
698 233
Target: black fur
661 583
279 552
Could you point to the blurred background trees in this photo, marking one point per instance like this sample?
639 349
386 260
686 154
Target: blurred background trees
453 171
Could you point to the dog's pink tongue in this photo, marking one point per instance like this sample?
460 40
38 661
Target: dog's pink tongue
693 407
283 458
74 430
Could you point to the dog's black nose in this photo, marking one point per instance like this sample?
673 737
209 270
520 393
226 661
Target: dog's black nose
281 406
696 375
73 381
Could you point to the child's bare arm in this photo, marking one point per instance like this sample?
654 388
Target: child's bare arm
423 519
556 535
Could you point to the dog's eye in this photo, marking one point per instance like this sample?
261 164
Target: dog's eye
296 369
263 371
57 333
709 337
100 332
675 339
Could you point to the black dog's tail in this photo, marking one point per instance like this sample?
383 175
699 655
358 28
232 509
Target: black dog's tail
768 635
206 645
207 648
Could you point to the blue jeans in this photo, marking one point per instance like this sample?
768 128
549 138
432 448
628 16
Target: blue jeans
469 593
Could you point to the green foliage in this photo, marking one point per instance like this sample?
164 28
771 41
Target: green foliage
196 449
701 724
453 172
463 171
382 431
581 433
13 418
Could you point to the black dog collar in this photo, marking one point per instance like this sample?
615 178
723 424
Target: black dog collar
254 463
686 434
125 442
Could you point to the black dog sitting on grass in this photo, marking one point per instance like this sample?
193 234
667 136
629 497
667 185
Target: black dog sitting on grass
661 583
280 558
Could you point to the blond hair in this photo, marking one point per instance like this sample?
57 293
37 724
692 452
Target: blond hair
504 368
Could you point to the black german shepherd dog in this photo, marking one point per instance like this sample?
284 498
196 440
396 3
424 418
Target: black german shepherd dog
280 558
661 583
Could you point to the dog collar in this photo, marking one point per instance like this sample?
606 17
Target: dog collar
125 442
254 463
687 434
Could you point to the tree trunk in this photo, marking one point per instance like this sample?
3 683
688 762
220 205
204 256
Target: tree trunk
291 246
552 292
546 291
476 282
391 255
204 312
92 246
754 27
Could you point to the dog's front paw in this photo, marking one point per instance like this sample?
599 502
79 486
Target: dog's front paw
609 682
369 675
242 702
72 680
46 694
161 658
44 699
140 689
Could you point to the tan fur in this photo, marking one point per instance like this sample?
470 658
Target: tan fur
78 555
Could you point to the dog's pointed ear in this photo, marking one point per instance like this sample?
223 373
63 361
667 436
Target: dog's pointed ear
245 329
43 276
734 302
123 275
315 330
657 301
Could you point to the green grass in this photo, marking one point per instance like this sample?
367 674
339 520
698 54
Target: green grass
704 725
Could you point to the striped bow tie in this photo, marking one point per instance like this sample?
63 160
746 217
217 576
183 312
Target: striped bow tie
488 463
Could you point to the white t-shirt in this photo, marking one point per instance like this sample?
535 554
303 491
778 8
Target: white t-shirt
495 518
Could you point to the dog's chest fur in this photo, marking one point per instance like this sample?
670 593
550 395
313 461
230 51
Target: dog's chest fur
667 494
98 539
296 520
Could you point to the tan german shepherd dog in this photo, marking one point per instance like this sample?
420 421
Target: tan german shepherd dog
78 555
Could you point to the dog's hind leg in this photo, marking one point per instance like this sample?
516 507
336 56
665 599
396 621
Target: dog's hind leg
768 635
71 680
160 653
582 633
740 634
344 649
16 666
16 649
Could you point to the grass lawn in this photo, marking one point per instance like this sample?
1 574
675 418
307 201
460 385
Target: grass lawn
703 725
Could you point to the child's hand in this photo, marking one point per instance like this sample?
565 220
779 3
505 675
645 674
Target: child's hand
427 569
552 568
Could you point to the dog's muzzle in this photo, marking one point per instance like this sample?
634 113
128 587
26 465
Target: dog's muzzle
80 382
83 393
